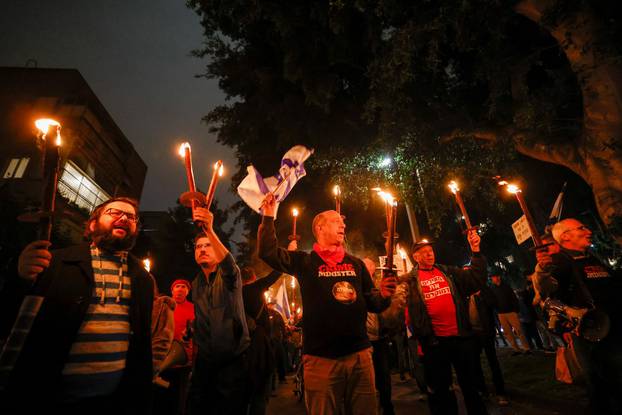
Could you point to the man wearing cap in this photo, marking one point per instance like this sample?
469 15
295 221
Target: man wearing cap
218 383
439 315
337 291
173 400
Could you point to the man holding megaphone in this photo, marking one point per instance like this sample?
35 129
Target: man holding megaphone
584 286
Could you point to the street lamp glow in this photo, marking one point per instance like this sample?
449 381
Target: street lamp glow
386 162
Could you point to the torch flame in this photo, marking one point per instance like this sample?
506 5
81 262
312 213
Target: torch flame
298 310
387 197
512 188
453 186
295 212
147 264
218 166
402 253
182 149
293 283
43 124
336 190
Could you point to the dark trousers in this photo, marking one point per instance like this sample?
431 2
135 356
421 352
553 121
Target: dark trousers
602 365
438 360
218 389
279 357
532 335
487 344
416 366
382 371
172 400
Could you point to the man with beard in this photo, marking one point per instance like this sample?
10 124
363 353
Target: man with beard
218 383
89 347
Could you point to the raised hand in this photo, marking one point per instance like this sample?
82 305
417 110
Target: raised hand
268 206
474 240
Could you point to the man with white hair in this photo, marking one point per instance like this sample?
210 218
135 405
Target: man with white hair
579 279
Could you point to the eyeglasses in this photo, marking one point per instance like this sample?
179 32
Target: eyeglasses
201 246
578 228
118 214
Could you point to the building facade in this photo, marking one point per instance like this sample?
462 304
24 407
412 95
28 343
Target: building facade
97 159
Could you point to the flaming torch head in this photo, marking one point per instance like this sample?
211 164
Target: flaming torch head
295 212
336 190
182 149
453 186
147 264
402 253
219 167
43 125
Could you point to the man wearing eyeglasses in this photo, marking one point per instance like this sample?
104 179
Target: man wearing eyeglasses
221 335
89 347
579 279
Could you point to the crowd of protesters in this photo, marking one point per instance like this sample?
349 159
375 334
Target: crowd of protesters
95 336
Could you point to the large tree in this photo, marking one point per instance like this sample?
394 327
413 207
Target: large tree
419 80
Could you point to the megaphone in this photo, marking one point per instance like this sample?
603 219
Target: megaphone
176 356
591 324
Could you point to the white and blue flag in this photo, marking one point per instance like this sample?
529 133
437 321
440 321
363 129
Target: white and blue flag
254 188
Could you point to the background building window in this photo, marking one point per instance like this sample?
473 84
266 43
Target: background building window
79 188
16 168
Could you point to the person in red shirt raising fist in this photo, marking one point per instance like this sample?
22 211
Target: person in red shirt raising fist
439 313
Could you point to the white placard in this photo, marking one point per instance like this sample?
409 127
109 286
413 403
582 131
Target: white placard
521 230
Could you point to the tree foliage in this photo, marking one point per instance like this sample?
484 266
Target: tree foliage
413 80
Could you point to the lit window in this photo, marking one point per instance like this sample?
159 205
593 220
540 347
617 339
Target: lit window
16 168
79 188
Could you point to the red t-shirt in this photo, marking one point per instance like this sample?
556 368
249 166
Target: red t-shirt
439 302
183 312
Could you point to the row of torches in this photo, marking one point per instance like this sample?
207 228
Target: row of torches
51 169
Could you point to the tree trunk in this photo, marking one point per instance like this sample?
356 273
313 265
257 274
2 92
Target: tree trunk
597 154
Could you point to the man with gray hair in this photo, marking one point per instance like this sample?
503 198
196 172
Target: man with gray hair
579 279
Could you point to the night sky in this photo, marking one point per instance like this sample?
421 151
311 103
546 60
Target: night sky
135 55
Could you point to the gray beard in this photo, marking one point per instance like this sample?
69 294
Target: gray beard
104 240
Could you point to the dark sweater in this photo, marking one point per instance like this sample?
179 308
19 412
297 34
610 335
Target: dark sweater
254 300
506 300
335 299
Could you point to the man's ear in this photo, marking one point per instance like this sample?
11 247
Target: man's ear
92 225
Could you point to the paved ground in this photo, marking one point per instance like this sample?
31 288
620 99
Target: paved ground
530 383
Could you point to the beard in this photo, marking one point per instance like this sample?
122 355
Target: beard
105 240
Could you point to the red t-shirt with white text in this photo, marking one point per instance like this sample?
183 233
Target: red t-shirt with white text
439 302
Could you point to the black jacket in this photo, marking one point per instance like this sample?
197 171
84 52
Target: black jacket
462 284
67 286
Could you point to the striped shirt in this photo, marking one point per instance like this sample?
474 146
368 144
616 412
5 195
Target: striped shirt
96 361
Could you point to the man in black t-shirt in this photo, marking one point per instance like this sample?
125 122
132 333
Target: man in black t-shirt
579 279
337 291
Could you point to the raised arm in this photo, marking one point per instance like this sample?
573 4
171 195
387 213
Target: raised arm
267 245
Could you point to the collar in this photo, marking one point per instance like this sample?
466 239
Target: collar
332 257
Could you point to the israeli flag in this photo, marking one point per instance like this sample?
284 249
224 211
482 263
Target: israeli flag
282 302
254 188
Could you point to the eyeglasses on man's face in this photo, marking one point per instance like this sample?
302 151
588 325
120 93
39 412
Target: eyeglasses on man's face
117 214
578 228
202 246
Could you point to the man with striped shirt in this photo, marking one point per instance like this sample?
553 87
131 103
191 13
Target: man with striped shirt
89 348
